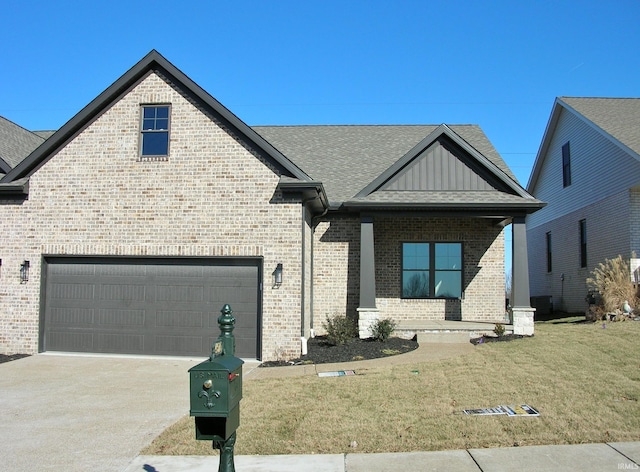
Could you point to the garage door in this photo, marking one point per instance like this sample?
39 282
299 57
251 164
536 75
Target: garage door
149 306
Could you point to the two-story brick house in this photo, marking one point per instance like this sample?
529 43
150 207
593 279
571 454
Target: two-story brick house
155 205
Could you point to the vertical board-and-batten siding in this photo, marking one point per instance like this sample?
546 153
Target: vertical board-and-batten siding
599 169
438 169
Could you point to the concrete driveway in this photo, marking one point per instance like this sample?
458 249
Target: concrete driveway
82 413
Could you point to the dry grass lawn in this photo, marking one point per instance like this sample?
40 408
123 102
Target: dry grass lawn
583 378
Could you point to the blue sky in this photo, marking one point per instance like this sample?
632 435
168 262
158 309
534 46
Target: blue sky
499 64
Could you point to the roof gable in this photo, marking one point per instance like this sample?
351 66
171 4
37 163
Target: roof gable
443 161
438 167
615 119
152 62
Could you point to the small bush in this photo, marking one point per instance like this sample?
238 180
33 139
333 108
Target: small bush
381 330
499 329
340 329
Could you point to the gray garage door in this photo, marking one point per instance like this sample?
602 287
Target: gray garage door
149 306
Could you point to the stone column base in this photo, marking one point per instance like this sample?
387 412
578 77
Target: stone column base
366 319
523 320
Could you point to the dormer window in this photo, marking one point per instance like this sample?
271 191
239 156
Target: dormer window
154 131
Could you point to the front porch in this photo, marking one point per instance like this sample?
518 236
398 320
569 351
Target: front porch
446 331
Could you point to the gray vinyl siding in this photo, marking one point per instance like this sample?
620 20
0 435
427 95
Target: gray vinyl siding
599 169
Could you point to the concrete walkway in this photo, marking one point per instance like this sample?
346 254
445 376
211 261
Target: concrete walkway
583 457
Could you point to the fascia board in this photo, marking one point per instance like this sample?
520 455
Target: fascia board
152 61
16 188
483 208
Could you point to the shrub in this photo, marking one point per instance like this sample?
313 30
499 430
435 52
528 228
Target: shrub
612 280
340 329
381 330
499 329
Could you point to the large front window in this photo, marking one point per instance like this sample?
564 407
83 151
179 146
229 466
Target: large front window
431 270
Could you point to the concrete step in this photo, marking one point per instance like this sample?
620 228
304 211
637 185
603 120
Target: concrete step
443 337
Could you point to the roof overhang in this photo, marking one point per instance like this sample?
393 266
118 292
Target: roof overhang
444 209
16 189
311 193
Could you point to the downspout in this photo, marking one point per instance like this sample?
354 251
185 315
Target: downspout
303 233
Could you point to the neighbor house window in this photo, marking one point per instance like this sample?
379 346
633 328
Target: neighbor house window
431 270
154 130
549 266
583 243
566 165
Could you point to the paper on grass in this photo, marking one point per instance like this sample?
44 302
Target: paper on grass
509 410
339 373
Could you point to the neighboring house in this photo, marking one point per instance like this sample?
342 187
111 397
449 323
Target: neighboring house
155 205
588 171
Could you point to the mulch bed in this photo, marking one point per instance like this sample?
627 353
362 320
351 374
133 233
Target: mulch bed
11 357
320 351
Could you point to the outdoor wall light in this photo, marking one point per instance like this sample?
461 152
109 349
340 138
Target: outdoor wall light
277 276
24 271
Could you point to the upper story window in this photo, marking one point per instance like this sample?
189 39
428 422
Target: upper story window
431 270
566 165
154 131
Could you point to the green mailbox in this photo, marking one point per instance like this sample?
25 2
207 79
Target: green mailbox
215 394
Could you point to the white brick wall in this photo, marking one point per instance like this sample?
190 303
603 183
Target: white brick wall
212 197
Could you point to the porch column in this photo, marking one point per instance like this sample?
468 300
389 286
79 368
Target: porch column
367 311
521 310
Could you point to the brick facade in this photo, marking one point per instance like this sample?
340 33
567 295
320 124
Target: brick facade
337 269
218 196
212 197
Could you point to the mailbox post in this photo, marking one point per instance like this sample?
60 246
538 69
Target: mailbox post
215 393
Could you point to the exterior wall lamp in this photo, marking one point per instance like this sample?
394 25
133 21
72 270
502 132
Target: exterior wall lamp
277 276
24 271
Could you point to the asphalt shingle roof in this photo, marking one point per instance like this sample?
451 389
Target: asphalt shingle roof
346 158
16 143
619 117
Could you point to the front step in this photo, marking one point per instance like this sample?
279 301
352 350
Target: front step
446 331
443 337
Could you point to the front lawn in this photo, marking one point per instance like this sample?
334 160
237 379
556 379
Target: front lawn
584 379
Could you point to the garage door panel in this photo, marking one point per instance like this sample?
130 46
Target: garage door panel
121 318
120 342
148 306
73 291
70 341
72 316
180 345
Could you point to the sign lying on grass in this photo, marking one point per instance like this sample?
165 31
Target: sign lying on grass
509 410
340 373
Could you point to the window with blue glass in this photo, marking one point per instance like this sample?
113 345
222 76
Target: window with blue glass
431 270
155 131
